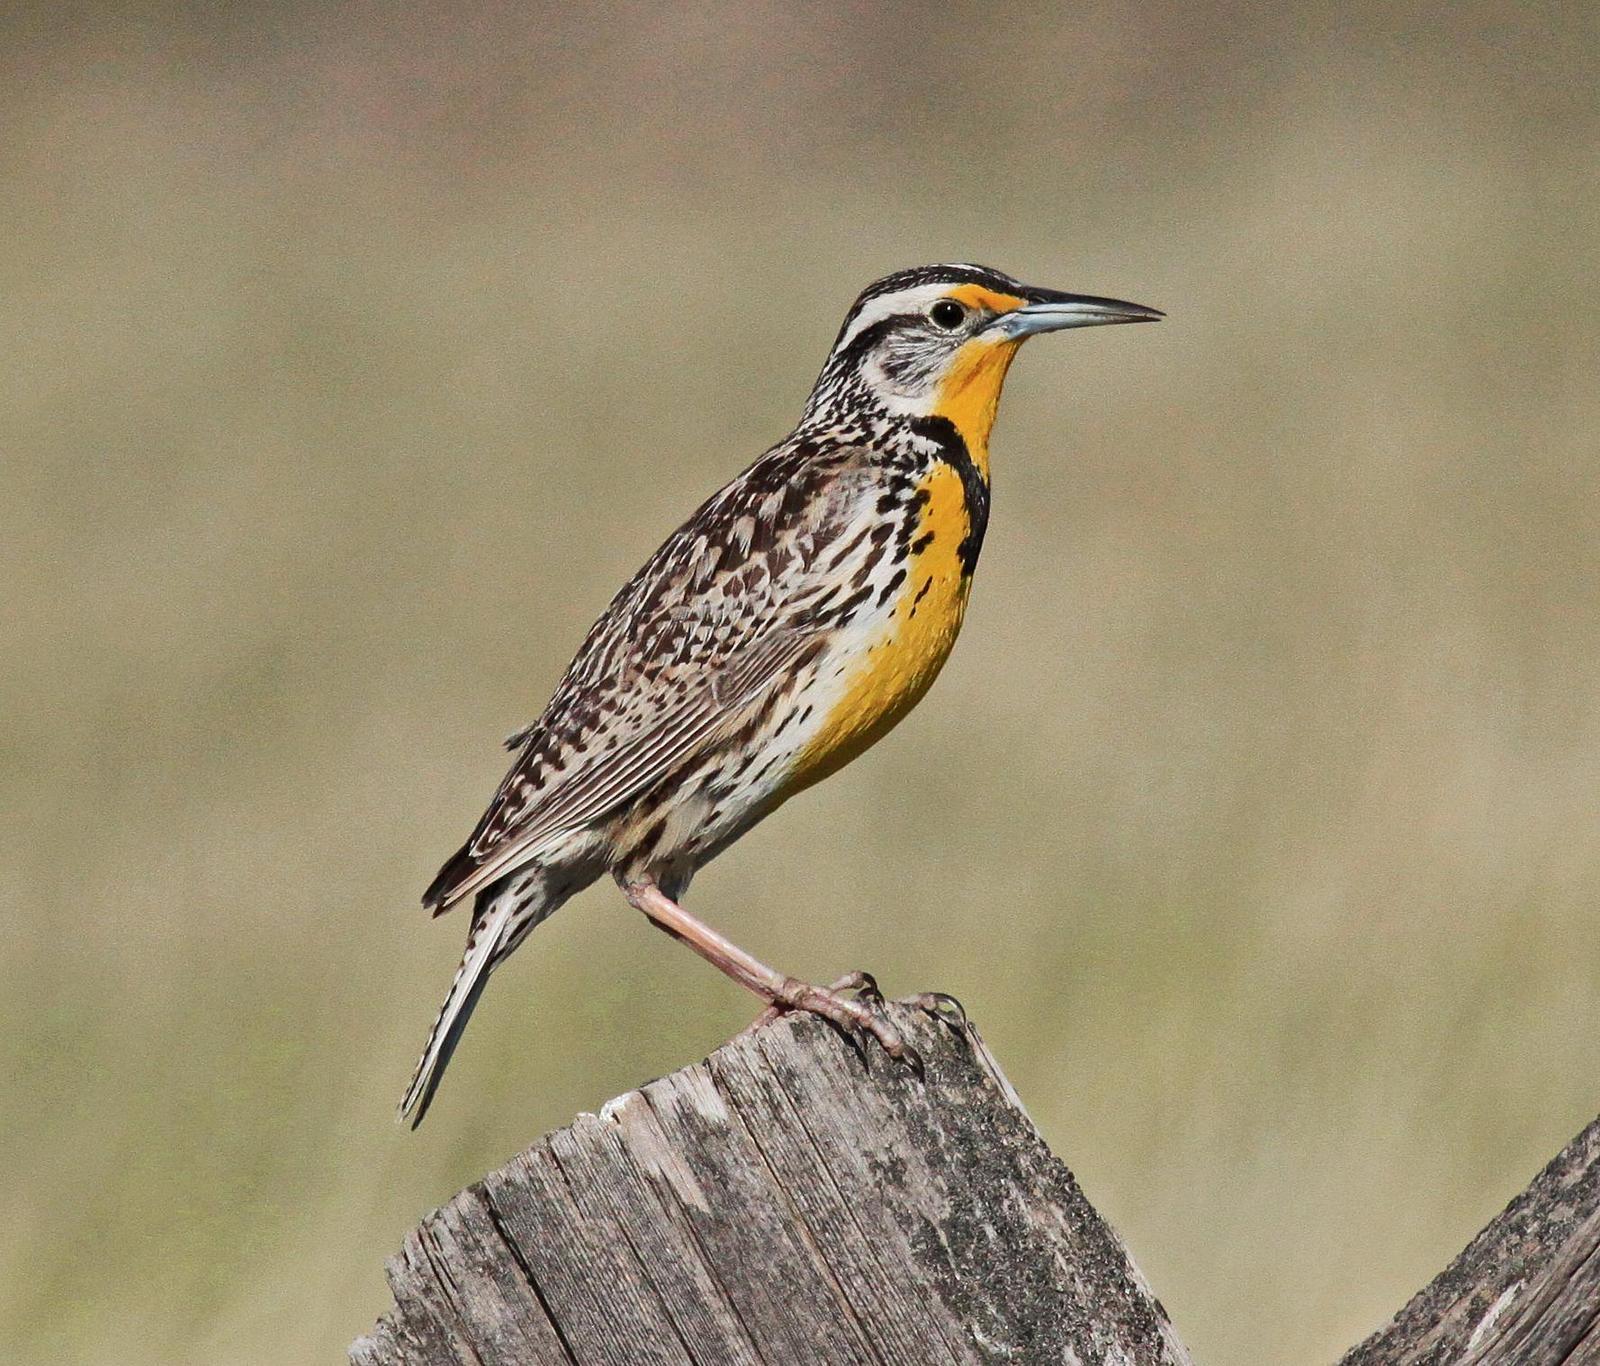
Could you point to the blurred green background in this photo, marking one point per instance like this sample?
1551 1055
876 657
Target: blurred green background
355 354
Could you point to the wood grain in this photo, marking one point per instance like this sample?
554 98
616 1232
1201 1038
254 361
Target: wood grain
784 1201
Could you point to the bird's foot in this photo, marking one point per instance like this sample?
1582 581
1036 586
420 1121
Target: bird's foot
856 1016
944 1008
864 984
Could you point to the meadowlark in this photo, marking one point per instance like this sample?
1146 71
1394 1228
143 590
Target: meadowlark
797 615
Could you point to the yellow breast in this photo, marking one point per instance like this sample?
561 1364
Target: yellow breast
898 665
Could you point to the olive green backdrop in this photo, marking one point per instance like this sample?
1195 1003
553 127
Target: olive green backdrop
354 354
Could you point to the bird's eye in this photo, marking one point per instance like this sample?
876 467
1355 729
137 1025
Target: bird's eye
948 314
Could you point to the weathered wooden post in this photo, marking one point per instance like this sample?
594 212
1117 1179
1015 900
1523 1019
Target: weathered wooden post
780 1202
1524 1292
784 1202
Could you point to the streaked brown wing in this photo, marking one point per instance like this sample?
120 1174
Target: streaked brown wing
632 763
677 660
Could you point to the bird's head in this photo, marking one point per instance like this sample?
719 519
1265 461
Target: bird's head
936 341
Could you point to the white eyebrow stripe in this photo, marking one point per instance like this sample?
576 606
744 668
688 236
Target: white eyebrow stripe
887 305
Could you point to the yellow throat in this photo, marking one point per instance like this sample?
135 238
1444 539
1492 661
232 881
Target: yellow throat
895 670
970 394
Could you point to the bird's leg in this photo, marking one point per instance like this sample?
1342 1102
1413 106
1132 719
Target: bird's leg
781 993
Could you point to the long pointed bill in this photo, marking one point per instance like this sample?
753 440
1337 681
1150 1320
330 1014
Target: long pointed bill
1057 311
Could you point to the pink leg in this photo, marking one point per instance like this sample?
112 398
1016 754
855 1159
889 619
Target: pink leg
781 993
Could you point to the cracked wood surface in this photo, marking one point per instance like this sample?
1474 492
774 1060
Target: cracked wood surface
780 1202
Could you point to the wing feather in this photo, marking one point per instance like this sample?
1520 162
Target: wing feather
646 757
678 661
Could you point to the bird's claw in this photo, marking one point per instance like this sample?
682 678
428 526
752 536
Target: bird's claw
874 1020
945 1009
912 1058
865 986
896 1048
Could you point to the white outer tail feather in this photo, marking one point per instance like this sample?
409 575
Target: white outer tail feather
465 988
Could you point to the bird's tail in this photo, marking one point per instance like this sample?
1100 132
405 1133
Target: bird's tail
487 946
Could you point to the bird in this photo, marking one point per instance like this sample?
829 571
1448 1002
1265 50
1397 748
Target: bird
796 616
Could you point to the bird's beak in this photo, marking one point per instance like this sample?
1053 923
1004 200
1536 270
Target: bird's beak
1051 311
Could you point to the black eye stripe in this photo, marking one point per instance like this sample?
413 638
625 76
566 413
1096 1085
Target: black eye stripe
866 339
